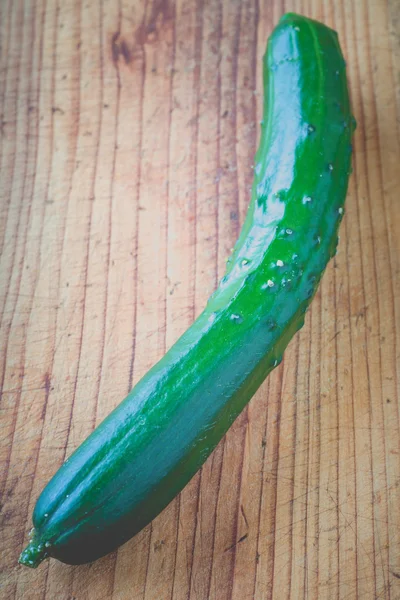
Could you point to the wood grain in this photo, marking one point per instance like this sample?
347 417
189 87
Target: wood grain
127 135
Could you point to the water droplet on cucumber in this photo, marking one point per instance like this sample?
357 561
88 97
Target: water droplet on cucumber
236 318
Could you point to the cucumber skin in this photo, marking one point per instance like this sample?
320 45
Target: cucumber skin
153 443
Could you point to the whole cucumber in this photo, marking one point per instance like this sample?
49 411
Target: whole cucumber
152 444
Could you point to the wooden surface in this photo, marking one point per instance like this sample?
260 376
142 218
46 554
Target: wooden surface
128 130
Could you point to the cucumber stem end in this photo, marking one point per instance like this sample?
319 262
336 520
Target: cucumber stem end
33 554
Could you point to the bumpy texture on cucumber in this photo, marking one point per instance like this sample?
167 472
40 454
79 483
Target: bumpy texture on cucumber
148 449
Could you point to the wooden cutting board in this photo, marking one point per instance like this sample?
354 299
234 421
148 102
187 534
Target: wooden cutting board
128 130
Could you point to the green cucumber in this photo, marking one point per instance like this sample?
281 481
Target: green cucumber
152 444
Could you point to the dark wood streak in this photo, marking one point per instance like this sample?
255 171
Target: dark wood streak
120 47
